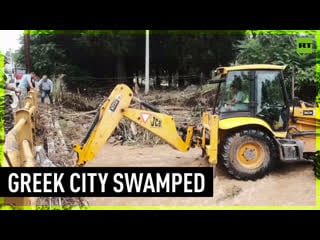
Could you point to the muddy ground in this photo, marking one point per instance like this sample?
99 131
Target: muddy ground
291 185
288 185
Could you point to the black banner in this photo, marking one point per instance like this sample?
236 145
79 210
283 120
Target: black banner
107 182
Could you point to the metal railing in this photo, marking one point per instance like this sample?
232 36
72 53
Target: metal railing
19 143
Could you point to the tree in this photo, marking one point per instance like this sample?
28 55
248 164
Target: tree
120 54
280 49
47 56
118 46
191 52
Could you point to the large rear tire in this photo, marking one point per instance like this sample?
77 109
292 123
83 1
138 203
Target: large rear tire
248 154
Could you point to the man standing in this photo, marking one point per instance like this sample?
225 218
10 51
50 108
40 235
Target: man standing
25 84
46 87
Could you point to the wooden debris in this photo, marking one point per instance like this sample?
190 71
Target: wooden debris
133 128
63 146
42 159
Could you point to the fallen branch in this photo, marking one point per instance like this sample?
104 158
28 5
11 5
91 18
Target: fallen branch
82 113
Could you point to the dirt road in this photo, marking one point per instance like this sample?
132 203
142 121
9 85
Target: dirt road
291 185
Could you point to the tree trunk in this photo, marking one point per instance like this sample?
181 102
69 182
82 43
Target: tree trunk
157 80
180 81
121 69
170 80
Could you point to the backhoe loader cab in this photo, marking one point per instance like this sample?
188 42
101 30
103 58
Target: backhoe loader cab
255 91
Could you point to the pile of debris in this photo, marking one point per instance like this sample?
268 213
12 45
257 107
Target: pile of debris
191 96
185 107
76 101
52 151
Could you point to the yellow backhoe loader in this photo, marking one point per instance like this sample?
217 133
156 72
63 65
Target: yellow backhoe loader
252 126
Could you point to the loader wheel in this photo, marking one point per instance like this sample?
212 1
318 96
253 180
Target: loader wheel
248 154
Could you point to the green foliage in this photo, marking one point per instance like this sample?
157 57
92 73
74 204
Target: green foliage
278 32
306 77
121 53
115 43
268 48
6 207
48 56
191 52
317 86
37 32
318 66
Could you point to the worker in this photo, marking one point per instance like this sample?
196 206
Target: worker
238 97
46 88
26 84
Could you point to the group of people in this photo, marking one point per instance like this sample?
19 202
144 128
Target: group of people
31 81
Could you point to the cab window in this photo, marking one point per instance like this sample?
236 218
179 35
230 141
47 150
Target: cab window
236 97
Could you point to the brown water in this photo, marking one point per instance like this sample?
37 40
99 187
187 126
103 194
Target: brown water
292 185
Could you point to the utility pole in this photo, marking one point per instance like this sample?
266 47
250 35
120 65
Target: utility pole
146 81
27 56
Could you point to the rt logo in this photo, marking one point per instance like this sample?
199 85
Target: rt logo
304 45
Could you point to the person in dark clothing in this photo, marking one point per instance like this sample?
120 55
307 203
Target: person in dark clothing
46 88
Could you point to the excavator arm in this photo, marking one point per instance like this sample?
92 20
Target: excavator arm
115 107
